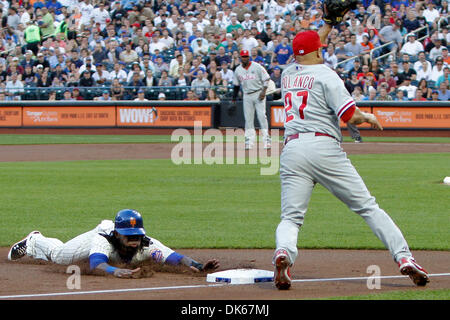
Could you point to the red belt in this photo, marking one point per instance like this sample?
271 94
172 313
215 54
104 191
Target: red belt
297 135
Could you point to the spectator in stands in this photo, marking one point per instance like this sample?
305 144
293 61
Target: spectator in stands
396 74
86 79
434 95
283 52
175 64
372 95
212 95
104 97
438 69
353 82
117 90
140 95
200 85
411 23
445 56
408 71
354 47
408 87
443 92
391 33
222 56
196 67
67 95
165 81
160 66
436 51
412 47
400 96
135 67
129 55
383 94
118 73
329 58
134 85
419 95
14 88
423 71
219 83
444 78
101 76
425 89
431 14
389 80
190 96
376 69
343 54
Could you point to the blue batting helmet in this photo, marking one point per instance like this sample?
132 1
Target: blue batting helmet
129 222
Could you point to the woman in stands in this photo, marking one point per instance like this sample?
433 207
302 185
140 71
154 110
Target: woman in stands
426 91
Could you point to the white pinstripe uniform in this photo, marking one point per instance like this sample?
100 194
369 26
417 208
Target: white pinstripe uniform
315 100
253 79
93 241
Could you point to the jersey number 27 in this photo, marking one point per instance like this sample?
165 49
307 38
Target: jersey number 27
288 104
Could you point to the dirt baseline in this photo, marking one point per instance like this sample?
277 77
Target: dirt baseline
314 275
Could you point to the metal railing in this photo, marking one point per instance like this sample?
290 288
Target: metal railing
416 32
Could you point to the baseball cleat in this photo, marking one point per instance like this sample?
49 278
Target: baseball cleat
418 275
19 249
282 270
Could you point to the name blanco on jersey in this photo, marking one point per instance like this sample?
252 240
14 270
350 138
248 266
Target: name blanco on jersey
299 82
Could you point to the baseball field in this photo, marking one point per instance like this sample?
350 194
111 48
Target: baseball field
65 184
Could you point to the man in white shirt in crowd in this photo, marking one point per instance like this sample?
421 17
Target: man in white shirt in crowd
409 88
14 88
248 42
412 46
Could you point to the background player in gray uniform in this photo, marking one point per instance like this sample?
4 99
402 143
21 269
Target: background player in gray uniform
120 242
254 80
315 100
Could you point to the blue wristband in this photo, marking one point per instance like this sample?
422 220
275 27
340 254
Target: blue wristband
110 269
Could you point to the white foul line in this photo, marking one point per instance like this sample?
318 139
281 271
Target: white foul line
41 295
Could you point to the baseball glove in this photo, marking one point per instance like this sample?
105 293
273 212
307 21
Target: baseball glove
335 10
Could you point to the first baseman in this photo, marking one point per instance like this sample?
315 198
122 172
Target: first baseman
254 80
315 100
120 242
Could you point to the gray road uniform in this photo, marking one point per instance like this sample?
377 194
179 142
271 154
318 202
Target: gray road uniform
315 100
252 80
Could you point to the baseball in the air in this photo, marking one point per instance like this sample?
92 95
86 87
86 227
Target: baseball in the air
447 180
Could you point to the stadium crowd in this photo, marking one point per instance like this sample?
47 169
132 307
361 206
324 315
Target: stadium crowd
178 49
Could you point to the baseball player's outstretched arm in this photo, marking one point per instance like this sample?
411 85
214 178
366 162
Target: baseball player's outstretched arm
99 261
178 259
324 30
117 272
361 117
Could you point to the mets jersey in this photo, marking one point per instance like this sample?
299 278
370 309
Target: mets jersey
252 79
101 244
315 99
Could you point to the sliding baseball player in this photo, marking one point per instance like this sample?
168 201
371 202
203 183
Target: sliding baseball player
109 244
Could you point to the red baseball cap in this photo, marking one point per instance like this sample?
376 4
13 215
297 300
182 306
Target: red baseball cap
306 42
245 53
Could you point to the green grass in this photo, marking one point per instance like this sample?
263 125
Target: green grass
220 206
442 294
24 139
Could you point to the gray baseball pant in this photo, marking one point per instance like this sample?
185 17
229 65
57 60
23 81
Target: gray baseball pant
251 104
309 160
